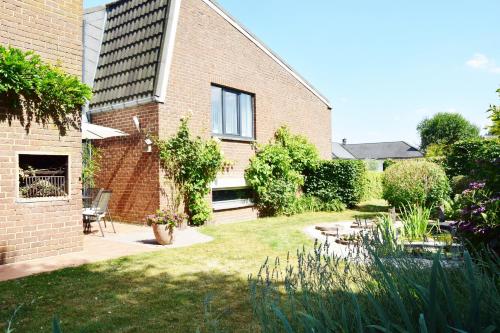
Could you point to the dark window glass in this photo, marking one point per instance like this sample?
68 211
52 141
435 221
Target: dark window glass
232 112
231 194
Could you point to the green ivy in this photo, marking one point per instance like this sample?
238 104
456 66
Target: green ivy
91 159
34 91
192 164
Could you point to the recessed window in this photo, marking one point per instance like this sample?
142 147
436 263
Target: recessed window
43 176
232 113
231 198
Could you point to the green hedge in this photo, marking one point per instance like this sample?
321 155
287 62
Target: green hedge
415 182
477 159
332 180
373 185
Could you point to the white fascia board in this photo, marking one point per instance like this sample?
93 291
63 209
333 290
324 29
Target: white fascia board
266 50
167 51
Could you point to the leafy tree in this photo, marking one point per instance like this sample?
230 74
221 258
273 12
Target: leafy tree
445 129
494 110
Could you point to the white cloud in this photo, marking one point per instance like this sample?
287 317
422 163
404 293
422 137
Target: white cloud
482 62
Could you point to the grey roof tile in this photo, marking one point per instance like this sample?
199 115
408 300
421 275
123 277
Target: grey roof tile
130 51
382 150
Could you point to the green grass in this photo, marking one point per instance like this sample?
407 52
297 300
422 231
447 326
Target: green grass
163 291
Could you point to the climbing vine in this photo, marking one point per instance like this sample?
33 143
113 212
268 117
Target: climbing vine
192 164
34 91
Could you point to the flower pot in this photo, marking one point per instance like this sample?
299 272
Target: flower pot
163 234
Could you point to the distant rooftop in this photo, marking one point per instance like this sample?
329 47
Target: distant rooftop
376 150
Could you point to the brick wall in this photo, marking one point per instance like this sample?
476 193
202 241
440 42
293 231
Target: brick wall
207 50
126 169
39 229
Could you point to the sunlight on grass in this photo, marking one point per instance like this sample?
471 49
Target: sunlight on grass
165 290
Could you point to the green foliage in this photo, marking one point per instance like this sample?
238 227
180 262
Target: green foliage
32 90
342 180
322 292
192 164
275 172
373 185
372 165
416 182
166 217
415 220
91 160
477 159
445 129
388 163
459 184
308 203
494 110
386 234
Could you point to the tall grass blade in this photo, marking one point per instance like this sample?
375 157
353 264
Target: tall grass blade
421 324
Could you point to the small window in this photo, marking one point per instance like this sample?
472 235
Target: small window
232 113
231 198
43 176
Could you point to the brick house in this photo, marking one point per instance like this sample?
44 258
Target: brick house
32 227
159 60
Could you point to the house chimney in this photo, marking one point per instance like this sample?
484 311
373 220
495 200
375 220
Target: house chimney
344 141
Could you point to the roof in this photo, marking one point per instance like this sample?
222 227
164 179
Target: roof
137 45
130 51
381 150
339 152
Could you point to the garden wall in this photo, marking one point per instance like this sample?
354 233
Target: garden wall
38 228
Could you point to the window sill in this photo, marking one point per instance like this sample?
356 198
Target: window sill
232 204
42 199
233 138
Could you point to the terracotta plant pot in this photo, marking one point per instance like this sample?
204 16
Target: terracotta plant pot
163 234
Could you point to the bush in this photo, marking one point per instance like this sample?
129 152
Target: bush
308 203
415 182
478 159
373 185
321 292
275 172
342 180
388 163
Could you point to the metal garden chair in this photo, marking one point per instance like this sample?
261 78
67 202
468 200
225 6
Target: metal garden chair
99 210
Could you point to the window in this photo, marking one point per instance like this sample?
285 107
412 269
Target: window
43 176
232 113
229 198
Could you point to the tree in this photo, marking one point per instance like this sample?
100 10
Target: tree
445 129
494 110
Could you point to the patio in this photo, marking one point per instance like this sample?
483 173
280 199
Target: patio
129 239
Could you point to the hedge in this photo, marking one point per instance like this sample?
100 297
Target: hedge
477 159
342 180
373 185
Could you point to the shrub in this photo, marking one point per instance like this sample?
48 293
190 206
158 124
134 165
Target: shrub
192 164
415 182
478 215
36 91
478 159
275 172
459 184
342 180
415 222
373 185
308 203
322 292
388 163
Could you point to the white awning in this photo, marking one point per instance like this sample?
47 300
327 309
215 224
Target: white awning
96 132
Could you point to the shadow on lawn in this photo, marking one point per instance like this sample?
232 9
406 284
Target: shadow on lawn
127 297
372 208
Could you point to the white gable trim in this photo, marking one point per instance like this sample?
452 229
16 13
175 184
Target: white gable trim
266 50
167 52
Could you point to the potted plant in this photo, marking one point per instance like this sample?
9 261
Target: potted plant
164 223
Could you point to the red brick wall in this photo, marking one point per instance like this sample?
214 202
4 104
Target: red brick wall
126 169
39 229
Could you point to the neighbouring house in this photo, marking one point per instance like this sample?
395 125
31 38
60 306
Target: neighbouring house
375 153
48 223
159 60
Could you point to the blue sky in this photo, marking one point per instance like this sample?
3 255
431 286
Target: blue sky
386 64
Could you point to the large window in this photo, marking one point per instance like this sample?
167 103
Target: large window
229 198
232 113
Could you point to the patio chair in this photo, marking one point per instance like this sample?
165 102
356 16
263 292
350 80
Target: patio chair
99 210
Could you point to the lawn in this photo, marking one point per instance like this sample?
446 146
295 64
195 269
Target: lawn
164 291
